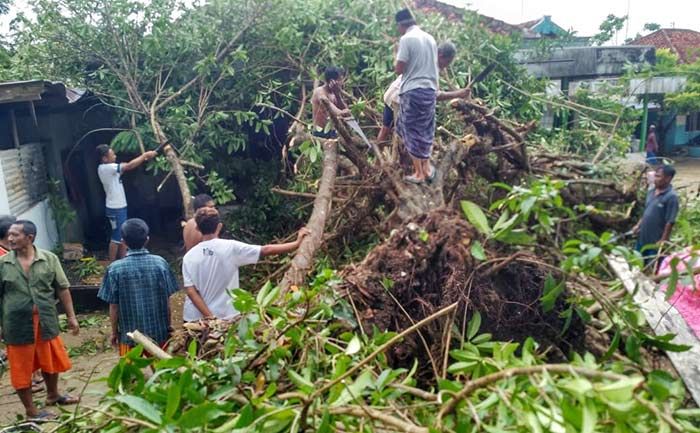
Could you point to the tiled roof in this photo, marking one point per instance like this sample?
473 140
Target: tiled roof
455 13
684 43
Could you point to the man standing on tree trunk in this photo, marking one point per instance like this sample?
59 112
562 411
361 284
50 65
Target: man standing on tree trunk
446 54
110 173
417 61
32 280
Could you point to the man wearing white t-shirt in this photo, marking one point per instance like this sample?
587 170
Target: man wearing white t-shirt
210 268
110 174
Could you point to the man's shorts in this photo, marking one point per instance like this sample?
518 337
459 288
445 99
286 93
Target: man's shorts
388 117
116 218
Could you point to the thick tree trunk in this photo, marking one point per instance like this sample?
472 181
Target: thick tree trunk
176 166
304 258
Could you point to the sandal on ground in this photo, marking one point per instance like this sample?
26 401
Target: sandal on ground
433 172
63 400
414 180
37 386
43 416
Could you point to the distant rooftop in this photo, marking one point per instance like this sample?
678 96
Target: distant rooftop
682 42
542 27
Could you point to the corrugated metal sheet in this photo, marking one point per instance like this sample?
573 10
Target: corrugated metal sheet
26 182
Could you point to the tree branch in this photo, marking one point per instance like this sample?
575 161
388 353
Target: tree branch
304 258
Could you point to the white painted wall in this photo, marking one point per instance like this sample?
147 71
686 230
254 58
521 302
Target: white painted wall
39 214
46 233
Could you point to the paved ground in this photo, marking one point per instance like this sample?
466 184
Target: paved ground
92 359
687 172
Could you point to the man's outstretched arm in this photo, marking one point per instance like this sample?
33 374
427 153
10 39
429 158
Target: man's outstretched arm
136 162
274 249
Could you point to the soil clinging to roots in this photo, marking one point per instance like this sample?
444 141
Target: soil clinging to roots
427 265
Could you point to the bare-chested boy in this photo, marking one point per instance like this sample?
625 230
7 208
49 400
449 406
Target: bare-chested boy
331 89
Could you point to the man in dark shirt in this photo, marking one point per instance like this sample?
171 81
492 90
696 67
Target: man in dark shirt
138 288
660 214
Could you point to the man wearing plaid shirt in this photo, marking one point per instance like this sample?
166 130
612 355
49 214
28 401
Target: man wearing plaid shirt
138 288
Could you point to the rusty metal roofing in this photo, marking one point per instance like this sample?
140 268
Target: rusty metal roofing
38 90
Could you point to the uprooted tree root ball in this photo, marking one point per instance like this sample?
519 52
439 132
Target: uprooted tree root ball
427 265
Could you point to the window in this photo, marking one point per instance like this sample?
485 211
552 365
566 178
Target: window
692 122
24 172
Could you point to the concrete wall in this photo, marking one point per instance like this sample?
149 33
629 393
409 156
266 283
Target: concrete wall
40 214
586 62
677 135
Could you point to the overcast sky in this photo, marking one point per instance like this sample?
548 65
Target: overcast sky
582 16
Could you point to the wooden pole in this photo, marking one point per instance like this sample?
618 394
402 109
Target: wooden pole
15 134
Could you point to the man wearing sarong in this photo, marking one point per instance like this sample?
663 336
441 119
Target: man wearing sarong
446 54
417 61
31 281
331 90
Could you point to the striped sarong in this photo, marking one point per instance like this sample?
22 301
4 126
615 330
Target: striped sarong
416 123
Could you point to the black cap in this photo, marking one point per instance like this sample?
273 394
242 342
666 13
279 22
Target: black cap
403 15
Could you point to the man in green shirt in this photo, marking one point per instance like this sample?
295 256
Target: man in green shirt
31 279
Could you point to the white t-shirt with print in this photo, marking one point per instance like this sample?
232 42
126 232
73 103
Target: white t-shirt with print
212 268
111 178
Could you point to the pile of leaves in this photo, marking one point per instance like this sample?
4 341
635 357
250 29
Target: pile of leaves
304 367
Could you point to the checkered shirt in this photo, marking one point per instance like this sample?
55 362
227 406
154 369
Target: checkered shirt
140 284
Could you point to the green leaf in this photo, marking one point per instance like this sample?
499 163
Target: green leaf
661 384
356 389
141 406
200 416
245 417
614 345
672 284
551 293
577 386
325 426
173 402
474 325
632 346
476 217
515 237
423 235
243 301
354 346
300 381
527 204
461 367
590 417
620 391
477 251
